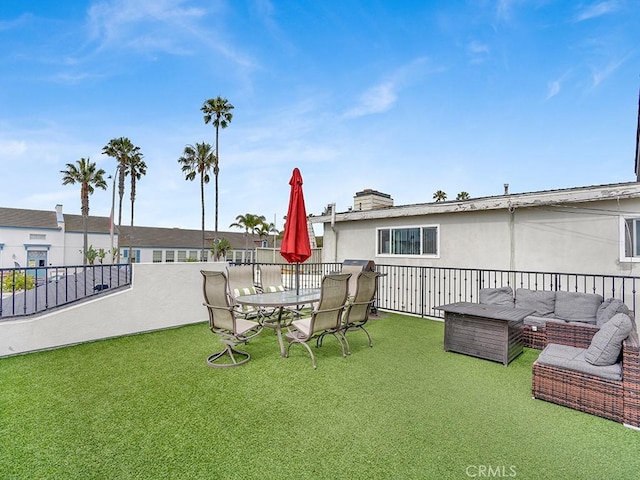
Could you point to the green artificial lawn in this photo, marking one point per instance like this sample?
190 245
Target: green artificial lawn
148 406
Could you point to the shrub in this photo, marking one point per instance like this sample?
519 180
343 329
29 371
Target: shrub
17 281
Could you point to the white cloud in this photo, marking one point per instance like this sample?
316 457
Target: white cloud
12 148
553 89
477 51
376 99
600 75
382 97
597 10
554 86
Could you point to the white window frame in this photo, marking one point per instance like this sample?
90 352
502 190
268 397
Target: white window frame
626 235
408 255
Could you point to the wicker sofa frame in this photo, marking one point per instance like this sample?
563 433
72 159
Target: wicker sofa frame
534 338
617 400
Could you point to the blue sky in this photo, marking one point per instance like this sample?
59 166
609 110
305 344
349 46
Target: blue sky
402 97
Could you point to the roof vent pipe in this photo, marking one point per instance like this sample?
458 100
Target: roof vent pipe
506 189
333 216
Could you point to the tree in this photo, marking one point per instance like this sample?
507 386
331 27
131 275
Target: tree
121 149
218 111
440 196
463 196
267 229
136 168
272 229
220 248
85 173
249 222
198 160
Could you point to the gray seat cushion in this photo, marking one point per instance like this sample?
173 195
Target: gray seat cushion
542 301
497 296
573 358
606 344
577 307
608 309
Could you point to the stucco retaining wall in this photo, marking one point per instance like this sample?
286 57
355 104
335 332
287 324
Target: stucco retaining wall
162 295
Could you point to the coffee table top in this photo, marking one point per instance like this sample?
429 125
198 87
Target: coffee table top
498 312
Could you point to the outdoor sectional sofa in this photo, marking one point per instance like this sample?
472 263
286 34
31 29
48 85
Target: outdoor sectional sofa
591 353
584 311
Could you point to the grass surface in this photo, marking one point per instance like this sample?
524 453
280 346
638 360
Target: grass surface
147 406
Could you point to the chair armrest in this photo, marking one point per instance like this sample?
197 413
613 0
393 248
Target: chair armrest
570 334
631 379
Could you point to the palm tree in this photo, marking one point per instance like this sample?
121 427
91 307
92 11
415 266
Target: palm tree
198 160
136 168
220 247
263 230
85 173
463 196
121 149
249 222
218 111
440 196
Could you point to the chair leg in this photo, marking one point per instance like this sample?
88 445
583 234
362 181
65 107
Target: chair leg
313 358
354 328
368 336
342 333
232 353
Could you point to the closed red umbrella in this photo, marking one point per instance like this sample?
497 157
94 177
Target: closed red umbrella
296 247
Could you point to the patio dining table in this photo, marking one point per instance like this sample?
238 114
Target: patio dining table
280 300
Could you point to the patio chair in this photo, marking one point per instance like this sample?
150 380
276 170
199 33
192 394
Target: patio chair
224 322
354 270
271 278
240 279
324 319
359 306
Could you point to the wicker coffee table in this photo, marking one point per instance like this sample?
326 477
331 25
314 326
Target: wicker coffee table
492 332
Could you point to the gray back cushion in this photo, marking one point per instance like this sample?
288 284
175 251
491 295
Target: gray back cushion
608 309
577 307
542 301
497 296
606 344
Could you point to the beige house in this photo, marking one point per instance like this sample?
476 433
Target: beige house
593 229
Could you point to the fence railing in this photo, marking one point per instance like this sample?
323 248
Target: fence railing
408 289
31 290
417 290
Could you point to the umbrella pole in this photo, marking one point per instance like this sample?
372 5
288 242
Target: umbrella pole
297 279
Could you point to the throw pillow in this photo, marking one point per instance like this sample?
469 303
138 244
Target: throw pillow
275 288
606 344
245 309
497 296
238 292
608 309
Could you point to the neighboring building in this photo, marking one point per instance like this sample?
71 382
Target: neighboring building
39 238
594 229
168 245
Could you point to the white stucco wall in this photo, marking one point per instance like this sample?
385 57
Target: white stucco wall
577 237
62 248
162 295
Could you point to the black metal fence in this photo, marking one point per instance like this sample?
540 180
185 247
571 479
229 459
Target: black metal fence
28 291
407 289
417 290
